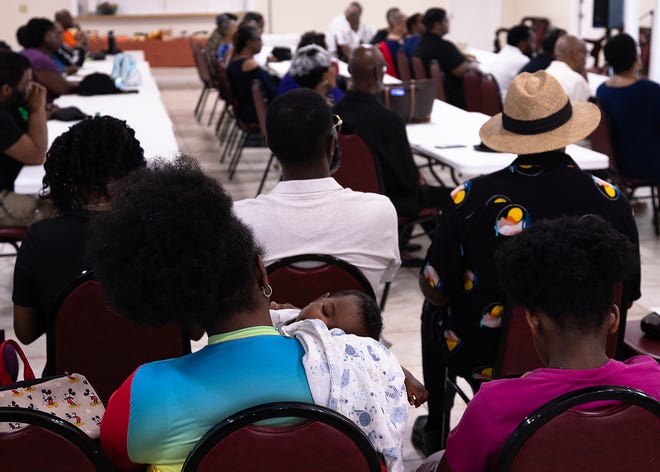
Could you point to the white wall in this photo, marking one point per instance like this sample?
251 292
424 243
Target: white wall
17 12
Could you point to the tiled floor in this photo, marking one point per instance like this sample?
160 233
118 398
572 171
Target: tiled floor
180 90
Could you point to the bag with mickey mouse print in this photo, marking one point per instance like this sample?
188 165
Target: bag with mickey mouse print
70 397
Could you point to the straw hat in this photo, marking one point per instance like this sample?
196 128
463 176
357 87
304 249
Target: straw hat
538 117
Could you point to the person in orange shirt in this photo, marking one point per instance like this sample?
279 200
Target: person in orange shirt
73 35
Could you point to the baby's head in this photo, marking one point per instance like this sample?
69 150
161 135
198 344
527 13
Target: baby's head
352 311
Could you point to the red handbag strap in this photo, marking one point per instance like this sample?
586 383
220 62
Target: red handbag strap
5 378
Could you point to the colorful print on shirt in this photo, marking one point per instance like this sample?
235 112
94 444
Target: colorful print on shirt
606 188
513 219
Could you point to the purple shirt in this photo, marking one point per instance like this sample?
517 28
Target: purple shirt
501 405
41 62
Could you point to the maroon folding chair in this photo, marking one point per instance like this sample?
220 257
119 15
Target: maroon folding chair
472 90
12 235
403 64
561 435
491 100
439 76
418 68
46 442
301 279
84 335
324 441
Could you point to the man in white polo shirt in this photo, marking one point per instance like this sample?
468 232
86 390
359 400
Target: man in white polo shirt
569 67
308 211
347 32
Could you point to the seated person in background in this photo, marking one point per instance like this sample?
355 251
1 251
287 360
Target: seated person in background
347 32
393 41
255 19
390 16
219 45
312 67
353 312
569 320
432 46
41 39
415 28
633 110
23 138
68 59
308 211
569 67
80 167
243 69
73 35
385 133
516 53
460 268
219 285
542 61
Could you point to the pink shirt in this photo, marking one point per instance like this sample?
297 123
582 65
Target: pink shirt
501 405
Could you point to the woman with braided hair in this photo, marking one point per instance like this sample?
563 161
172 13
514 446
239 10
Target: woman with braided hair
81 166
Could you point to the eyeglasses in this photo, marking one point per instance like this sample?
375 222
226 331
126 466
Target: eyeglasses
337 122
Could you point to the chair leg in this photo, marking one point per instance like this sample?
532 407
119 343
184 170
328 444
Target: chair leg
220 122
237 155
383 298
215 105
228 143
655 196
201 104
227 126
263 177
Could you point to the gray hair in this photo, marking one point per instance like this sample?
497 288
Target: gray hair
308 58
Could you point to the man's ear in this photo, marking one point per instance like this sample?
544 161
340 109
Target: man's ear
533 322
614 319
6 90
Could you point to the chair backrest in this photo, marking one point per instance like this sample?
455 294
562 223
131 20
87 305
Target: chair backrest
601 138
259 104
357 166
491 100
403 64
418 68
539 26
516 351
439 77
47 443
326 441
301 279
224 86
86 336
472 90
201 63
615 437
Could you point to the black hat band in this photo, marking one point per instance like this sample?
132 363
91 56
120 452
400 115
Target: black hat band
542 125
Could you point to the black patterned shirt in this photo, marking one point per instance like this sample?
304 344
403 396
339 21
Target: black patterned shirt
486 211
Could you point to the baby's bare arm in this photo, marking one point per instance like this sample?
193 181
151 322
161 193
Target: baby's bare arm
417 393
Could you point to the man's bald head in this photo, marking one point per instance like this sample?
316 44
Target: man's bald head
573 51
366 68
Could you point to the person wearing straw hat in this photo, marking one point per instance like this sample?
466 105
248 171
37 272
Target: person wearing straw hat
537 123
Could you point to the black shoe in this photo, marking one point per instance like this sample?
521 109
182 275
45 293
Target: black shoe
425 441
412 262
